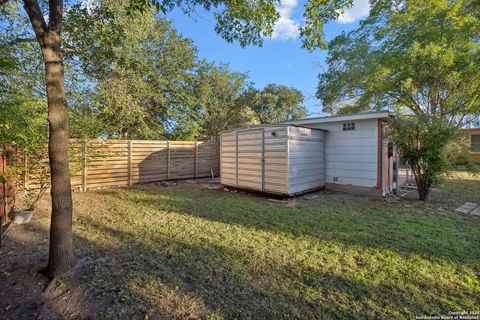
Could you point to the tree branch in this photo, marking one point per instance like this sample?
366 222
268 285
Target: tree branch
36 18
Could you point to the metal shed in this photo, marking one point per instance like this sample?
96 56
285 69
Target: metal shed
278 159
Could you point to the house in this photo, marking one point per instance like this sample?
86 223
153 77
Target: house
349 153
471 129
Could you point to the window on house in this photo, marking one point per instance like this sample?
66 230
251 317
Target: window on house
349 126
475 139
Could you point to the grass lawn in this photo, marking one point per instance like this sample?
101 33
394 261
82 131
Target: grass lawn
188 252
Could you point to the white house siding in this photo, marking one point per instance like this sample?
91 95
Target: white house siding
351 156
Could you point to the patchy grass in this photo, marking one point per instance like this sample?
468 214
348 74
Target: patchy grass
187 252
460 187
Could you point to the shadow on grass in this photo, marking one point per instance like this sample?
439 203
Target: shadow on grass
217 280
357 221
170 279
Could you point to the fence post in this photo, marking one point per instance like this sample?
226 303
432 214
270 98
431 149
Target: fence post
84 174
130 151
168 160
195 170
25 173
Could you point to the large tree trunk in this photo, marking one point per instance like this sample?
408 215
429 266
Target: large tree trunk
60 256
49 38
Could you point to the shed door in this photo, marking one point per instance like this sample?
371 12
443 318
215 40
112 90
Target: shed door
250 159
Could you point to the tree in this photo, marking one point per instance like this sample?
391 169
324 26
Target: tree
23 109
218 90
419 58
275 103
421 143
49 38
139 67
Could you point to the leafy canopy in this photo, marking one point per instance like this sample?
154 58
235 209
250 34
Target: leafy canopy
419 57
250 21
275 103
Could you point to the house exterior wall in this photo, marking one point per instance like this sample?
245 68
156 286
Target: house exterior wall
469 133
351 156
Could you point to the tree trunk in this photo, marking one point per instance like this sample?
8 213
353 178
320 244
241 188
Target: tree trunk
423 188
60 255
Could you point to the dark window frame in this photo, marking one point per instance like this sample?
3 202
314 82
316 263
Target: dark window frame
348 126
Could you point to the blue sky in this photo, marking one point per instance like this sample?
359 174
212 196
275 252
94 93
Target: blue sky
281 60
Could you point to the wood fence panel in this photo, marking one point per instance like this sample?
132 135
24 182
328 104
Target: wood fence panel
103 163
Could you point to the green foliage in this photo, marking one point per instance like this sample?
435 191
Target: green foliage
422 56
317 14
423 145
141 67
130 74
458 152
218 91
22 108
250 22
275 103
247 22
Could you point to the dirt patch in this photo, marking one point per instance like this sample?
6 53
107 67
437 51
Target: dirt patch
22 292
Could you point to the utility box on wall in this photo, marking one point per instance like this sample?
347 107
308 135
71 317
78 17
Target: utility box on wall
277 159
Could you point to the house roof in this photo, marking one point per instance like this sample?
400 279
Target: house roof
384 114
259 126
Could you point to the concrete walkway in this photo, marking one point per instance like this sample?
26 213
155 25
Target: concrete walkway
469 208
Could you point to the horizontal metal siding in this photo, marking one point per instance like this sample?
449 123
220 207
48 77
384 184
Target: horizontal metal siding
351 156
306 160
249 154
228 159
276 170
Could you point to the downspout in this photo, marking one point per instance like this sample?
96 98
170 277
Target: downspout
324 160
383 162
397 176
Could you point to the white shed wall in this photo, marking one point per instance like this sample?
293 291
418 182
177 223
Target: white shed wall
351 156
305 159
276 165
274 159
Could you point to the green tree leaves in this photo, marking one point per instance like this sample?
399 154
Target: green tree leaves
275 103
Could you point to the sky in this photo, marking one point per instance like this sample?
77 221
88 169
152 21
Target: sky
281 60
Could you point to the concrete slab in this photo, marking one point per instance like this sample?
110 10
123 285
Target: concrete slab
467 207
476 211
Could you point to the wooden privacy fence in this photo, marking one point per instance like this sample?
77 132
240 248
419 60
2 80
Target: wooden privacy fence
102 163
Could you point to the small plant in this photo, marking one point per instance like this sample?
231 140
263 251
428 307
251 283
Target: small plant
423 146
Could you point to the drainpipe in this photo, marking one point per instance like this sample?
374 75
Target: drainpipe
397 176
382 162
